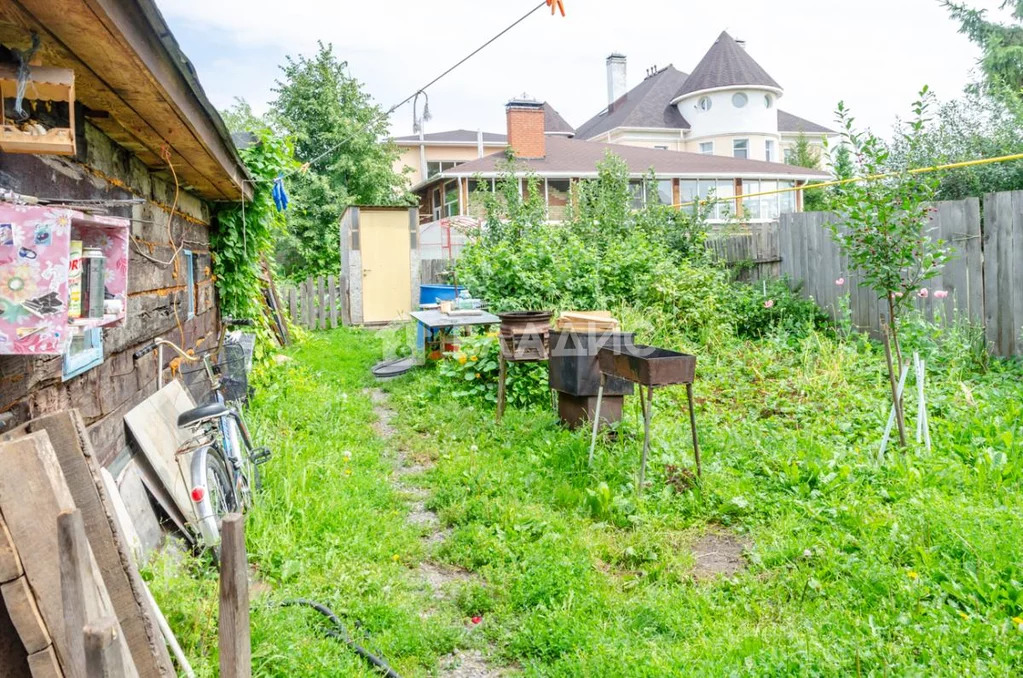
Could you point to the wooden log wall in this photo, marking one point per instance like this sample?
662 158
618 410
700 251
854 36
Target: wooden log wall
157 295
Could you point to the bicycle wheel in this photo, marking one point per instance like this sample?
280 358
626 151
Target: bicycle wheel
212 493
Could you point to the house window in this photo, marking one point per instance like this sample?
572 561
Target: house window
768 101
739 99
787 200
722 191
435 168
769 150
84 353
636 190
704 104
750 206
788 154
558 194
740 148
438 208
707 147
189 284
451 199
664 192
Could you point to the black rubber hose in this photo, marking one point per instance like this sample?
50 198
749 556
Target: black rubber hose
342 635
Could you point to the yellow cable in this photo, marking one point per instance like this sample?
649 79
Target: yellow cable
871 177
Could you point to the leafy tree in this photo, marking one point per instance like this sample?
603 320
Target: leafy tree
805 155
245 236
1001 45
338 131
882 224
975 127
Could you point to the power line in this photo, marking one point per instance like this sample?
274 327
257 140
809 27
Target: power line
409 98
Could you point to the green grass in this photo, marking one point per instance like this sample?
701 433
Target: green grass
910 566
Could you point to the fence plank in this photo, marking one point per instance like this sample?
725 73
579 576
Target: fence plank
321 293
293 304
332 295
997 248
1017 273
235 643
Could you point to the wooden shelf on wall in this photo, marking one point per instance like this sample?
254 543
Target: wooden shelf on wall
44 84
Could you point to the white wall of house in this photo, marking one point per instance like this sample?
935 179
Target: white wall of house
723 115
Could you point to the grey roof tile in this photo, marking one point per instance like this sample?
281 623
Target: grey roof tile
726 63
793 123
553 122
575 157
648 104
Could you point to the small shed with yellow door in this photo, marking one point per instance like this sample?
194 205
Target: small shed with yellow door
380 263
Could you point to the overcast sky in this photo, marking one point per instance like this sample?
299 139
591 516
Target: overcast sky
874 54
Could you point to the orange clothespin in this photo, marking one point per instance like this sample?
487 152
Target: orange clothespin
556 5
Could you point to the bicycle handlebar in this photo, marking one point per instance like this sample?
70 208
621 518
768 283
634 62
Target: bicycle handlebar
163 342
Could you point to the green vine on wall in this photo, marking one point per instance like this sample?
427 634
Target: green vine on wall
242 241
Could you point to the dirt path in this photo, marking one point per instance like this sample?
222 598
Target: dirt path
440 580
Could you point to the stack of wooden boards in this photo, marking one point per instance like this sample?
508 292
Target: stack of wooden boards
588 322
48 475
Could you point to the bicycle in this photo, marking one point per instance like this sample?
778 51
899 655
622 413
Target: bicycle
225 465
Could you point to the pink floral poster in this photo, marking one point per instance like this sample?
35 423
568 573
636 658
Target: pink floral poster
34 243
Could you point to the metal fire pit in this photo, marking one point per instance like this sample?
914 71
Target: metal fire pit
523 338
647 366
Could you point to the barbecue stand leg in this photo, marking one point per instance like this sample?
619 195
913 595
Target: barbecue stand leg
648 410
692 426
502 375
596 417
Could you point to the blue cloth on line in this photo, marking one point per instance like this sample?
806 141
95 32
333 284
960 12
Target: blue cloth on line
279 194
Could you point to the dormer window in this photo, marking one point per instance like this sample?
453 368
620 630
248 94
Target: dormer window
703 104
768 101
739 99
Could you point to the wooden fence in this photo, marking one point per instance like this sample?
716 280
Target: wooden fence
984 280
317 303
752 251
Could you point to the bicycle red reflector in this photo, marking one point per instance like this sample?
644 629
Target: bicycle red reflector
197 494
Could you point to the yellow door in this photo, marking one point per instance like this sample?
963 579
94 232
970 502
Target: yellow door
386 275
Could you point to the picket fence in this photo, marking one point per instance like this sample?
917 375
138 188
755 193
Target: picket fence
317 303
983 281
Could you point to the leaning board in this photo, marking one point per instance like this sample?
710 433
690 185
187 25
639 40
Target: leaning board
154 424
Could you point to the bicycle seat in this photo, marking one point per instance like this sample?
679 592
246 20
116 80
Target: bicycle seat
203 412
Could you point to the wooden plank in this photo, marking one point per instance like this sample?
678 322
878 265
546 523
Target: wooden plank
997 266
153 424
974 255
103 655
75 585
1016 275
332 299
234 630
25 614
293 304
108 543
44 664
10 563
13 658
321 301
307 306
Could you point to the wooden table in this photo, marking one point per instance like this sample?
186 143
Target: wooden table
437 323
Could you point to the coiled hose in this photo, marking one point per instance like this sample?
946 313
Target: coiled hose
342 634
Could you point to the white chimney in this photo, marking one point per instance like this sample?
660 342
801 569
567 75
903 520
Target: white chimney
616 83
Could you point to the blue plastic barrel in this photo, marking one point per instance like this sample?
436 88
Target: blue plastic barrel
432 294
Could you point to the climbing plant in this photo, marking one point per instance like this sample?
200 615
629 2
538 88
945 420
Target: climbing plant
245 235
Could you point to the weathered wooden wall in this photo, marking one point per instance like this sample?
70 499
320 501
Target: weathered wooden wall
984 280
157 302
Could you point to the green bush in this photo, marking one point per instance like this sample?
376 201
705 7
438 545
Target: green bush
762 309
471 373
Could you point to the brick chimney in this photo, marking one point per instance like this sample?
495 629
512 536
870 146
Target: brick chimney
526 128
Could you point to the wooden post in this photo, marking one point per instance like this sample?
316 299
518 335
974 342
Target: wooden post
692 426
235 644
332 294
293 304
502 377
103 657
321 293
75 576
308 310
